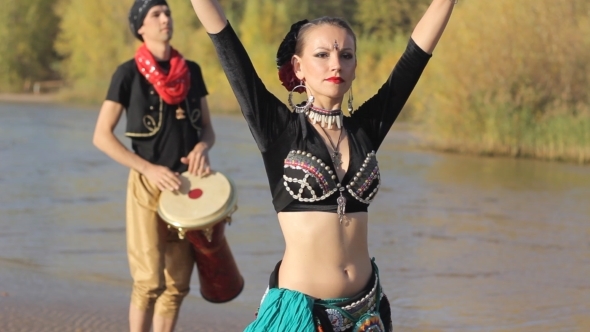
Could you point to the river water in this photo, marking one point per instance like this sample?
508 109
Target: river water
463 243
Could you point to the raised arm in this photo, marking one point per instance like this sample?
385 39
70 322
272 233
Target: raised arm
210 14
431 26
266 116
379 112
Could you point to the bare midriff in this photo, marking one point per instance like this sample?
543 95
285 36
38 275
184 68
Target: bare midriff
324 258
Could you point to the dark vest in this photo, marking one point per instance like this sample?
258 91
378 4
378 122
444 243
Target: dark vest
146 109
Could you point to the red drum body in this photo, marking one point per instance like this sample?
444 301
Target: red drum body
199 211
218 273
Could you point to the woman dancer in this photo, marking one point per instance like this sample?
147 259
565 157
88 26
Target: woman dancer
321 166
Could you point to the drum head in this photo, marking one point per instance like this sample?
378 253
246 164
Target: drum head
199 203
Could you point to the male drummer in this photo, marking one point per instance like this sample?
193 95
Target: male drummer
168 122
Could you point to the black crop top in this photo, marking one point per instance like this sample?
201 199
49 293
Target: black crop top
298 165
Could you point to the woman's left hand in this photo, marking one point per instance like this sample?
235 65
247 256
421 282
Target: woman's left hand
198 160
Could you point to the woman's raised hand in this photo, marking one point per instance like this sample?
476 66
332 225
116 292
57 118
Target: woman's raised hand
430 28
210 14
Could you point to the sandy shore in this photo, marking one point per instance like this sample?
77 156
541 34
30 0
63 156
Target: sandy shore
32 300
28 97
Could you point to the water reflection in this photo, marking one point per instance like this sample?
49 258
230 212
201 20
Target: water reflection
486 244
463 243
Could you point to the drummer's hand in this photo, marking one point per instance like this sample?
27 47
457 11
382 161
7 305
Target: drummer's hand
198 160
162 177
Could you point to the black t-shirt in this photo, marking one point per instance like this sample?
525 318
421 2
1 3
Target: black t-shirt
157 135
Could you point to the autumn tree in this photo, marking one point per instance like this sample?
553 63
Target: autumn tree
94 38
385 19
27 35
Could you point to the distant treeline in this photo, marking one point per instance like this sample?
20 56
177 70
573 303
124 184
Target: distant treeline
509 77
82 41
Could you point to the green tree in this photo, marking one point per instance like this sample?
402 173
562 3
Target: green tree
27 34
336 8
384 19
234 9
94 38
263 26
264 21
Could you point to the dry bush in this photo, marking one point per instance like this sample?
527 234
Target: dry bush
511 77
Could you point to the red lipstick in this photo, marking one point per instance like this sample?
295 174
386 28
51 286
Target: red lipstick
336 80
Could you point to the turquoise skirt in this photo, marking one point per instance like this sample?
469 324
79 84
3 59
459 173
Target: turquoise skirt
284 310
292 311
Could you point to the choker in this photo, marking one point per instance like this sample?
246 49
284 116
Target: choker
325 117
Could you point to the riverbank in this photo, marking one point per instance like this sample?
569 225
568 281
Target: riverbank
415 136
29 98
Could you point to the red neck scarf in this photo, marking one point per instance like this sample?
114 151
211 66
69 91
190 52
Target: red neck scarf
172 86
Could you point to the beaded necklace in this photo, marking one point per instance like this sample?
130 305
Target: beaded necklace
325 117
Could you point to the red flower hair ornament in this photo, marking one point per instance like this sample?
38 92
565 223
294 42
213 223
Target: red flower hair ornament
284 56
288 78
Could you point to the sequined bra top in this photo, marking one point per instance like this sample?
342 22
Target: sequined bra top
309 179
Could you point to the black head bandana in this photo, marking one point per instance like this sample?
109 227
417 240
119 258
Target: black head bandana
138 13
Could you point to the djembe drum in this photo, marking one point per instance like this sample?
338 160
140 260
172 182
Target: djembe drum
199 211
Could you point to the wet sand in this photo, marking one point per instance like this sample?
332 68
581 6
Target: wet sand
31 300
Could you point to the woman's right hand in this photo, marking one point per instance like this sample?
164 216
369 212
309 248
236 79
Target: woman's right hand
162 177
210 14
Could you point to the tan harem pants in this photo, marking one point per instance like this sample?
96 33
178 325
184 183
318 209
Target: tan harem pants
161 264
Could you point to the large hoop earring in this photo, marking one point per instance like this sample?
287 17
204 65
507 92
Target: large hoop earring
350 98
300 109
